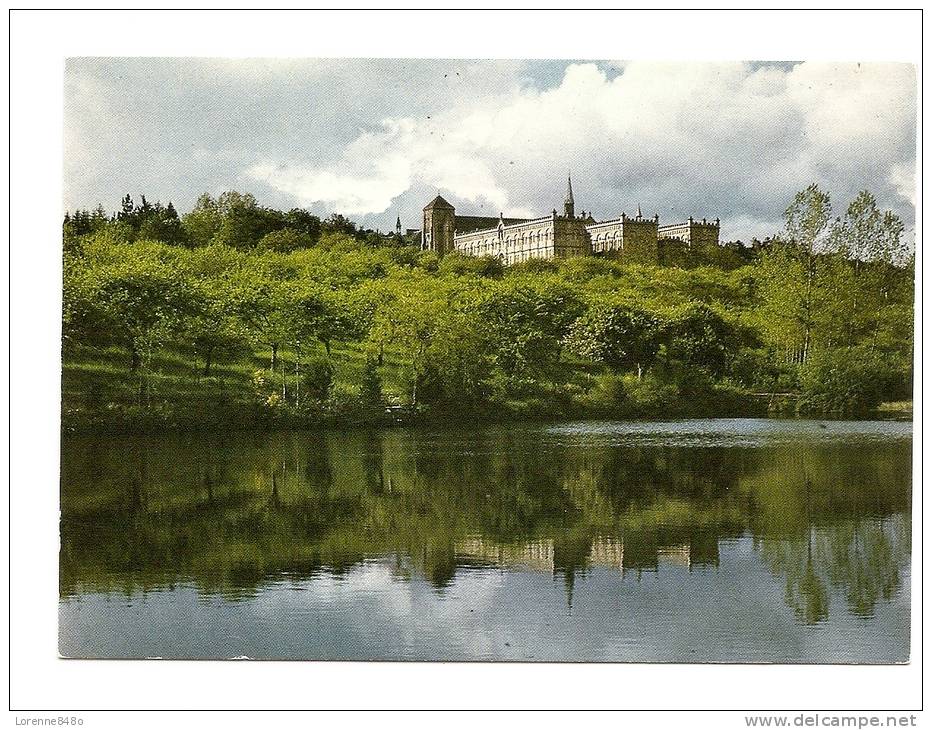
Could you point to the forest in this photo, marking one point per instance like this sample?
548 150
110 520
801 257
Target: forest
236 316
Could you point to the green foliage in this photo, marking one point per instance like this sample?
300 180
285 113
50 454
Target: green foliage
700 337
370 386
457 264
149 322
318 378
622 336
285 240
849 380
528 316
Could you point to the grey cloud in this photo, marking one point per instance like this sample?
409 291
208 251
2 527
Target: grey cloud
720 140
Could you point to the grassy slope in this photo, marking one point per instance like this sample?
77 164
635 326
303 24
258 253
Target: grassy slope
94 378
100 393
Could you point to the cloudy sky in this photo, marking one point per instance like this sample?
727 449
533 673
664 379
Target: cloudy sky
378 138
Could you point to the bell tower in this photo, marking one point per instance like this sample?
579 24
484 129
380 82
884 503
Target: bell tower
439 223
569 207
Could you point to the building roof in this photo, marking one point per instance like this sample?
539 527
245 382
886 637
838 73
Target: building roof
470 223
438 202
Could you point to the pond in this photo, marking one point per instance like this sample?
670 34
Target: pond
723 540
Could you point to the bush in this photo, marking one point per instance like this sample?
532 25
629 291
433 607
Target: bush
460 264
318 378
608 394
370 386
848 381
650 396
285 240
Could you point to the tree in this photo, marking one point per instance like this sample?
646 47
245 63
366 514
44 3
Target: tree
370 384
316 312
203 222
263 304
793 281
285 240
302 221
698 336
243 222
160 223
620 335
528 318
141 302
337 223
866 233
213 320
806 221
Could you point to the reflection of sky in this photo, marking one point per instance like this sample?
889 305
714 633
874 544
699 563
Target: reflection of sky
733 612
729 432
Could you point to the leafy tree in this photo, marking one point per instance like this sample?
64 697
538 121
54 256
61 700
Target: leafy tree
700 337
866 233
318 378
848 380
203 222
243 221
370 385
620 335
337 223
302 221
160 223
213 320
141 302
285 240
528 318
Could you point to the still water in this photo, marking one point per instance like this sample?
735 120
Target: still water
702 540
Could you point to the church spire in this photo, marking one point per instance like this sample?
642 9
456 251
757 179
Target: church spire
398 226
568 204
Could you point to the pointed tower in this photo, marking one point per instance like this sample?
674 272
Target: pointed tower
437 230
569 208
398 226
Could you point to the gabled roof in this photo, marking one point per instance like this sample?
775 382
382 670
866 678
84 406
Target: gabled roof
438 202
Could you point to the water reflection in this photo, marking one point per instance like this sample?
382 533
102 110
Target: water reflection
825 508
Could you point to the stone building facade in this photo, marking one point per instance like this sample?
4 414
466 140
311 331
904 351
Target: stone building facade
633 238
556 235
695 234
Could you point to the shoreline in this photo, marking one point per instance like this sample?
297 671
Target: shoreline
900 411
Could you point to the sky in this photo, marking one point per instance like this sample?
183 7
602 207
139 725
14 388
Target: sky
376 139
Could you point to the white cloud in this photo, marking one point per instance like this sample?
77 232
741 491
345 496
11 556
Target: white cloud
727 140
376 138
903 179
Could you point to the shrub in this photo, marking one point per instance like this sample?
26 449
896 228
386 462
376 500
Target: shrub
847 381
607 394
370 386
318 378
650 395
460 264
285 240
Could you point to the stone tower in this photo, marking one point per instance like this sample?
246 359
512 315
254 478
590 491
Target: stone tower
398 226
437 231
569 207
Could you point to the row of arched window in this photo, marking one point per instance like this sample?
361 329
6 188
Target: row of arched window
505 242
609 241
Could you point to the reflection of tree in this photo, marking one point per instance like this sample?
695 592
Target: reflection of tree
862 558
804 590
232 513
833 516
865 558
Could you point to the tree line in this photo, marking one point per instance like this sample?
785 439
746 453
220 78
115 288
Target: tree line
822 312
